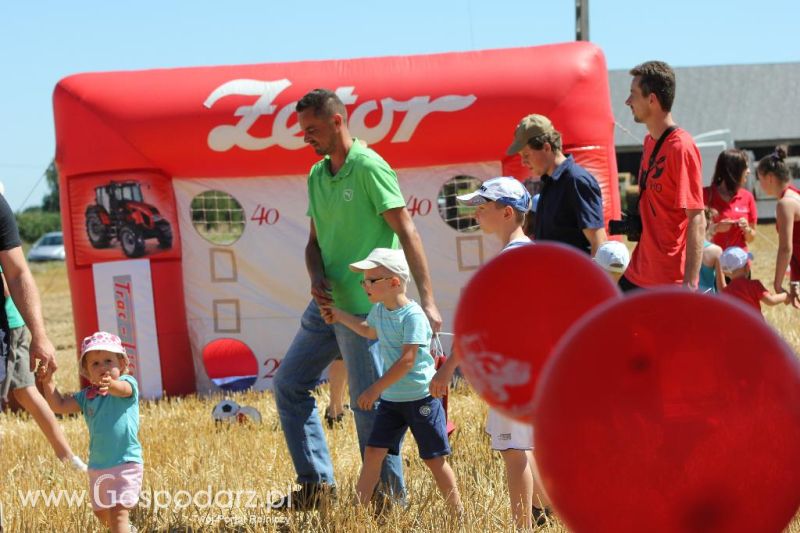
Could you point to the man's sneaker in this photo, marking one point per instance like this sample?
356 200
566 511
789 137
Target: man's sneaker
308 497
542 517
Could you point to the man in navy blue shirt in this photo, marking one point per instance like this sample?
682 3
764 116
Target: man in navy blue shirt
570 208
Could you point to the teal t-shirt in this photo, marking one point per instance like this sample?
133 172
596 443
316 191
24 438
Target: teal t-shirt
14 318
346 209
113 427
707 283
406 325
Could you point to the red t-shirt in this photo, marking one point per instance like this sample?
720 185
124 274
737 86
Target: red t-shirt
750 291
742 205
675 184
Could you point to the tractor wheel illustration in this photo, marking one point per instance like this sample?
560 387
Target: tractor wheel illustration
97 231
164 234
132 241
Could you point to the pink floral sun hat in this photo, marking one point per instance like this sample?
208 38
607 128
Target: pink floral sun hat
102 340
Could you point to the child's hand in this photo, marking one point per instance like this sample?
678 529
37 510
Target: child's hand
724 225
368 398
103 384
44 373
440 383
329 314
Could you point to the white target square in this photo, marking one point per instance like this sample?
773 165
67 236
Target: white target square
469 249
223 265
227 318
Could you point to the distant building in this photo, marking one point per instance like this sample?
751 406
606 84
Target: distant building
752 107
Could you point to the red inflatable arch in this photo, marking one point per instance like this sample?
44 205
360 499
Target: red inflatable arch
183 191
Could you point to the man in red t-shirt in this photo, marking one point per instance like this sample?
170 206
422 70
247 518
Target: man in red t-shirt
671 189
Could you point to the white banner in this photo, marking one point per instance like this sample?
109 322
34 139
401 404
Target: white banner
255 289
124 298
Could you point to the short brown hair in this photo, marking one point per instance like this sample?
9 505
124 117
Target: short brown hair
658 78
324 102
519 216
553 138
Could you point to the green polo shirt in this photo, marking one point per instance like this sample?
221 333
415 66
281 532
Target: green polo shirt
346 209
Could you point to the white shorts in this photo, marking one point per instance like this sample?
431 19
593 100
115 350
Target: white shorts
507 433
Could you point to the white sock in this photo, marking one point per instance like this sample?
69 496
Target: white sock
76 463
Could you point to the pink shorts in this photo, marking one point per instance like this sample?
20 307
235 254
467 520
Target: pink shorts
118 485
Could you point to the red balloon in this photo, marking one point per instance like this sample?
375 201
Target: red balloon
514 310
671 412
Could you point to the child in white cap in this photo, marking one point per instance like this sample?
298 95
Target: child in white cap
404 336
501 207
110 406
735 264
613 257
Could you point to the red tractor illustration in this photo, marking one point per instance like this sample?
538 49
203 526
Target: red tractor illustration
120 213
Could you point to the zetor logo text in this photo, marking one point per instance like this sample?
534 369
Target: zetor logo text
225 137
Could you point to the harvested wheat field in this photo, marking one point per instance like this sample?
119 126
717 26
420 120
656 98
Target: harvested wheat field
231 471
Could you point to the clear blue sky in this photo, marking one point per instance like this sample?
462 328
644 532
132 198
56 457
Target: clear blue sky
41 41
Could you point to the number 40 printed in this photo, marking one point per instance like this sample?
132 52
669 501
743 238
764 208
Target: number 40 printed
265 215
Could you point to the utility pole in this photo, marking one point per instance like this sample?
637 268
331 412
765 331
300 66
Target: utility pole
581 20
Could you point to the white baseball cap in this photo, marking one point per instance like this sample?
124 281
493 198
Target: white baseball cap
613 256
504 190
394 260
734 258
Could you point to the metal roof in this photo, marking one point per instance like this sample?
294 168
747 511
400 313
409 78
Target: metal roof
760 104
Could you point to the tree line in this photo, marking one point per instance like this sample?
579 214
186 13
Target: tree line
35 221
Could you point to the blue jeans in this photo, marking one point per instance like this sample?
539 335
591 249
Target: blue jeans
314 347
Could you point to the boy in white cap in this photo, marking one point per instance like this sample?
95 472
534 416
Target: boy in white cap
613 257
404 336
110 406
735 263
501 207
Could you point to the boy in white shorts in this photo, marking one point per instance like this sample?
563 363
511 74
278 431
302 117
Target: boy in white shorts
501 207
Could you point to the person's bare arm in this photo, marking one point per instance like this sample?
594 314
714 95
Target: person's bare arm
748 231
357 324
400 222
784 220
115 387
720 275
596 237
6 294
441 380
22 288
695 235
320 286
400 368
774 299
62 405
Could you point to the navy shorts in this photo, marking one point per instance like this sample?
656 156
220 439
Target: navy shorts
426 419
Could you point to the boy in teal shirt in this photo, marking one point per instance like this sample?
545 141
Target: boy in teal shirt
404 336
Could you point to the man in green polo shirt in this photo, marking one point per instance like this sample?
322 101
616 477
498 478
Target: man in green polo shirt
355 205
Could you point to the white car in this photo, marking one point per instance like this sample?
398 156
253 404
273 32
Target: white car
50 247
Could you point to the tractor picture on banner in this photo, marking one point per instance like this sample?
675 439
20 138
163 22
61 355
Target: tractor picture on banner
125 215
